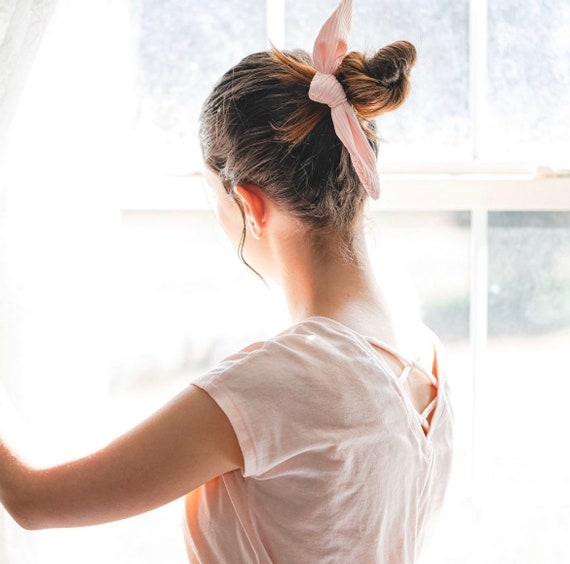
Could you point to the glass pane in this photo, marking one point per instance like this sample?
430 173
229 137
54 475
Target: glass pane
523 458
181 52
434 122
528 91
529 273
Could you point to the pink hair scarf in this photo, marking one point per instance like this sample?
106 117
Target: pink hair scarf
329 50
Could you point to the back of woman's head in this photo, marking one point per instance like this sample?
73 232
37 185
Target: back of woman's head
258 126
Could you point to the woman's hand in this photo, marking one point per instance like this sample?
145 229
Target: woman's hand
183 445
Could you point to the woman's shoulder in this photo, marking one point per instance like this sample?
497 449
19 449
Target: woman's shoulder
313 346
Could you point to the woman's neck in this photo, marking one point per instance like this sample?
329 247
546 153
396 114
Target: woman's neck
327 284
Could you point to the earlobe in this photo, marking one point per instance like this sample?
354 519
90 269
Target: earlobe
254 207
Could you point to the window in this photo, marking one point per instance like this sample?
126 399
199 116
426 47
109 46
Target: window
117 279
527 90
490 82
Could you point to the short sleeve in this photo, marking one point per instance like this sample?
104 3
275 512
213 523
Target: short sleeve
283 399
259 393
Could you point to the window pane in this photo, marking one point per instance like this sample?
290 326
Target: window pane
529 87
524 460
434 122
529 273
181 53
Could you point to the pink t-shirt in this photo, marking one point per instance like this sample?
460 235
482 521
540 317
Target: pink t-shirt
337 465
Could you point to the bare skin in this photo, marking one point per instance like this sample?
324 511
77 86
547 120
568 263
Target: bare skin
190 440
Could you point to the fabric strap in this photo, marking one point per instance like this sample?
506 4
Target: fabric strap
329 50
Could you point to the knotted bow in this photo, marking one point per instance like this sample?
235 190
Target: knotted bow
329 50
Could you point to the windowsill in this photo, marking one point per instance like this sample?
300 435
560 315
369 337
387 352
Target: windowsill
438 189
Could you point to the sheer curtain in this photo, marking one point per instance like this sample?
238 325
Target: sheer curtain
22 26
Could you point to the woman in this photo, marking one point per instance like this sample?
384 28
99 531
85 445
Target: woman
321 444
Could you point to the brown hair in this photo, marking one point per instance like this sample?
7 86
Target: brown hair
258 126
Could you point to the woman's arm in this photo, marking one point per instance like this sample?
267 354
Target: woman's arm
186 443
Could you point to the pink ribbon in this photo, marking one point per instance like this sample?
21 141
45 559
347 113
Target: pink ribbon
329 50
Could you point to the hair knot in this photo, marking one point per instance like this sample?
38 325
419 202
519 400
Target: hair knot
326 89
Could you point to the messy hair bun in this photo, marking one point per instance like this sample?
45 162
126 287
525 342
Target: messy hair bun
379 84
258 126
373 86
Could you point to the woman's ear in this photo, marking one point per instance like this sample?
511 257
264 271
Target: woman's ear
254 204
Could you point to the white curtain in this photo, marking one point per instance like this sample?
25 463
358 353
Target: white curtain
22 25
